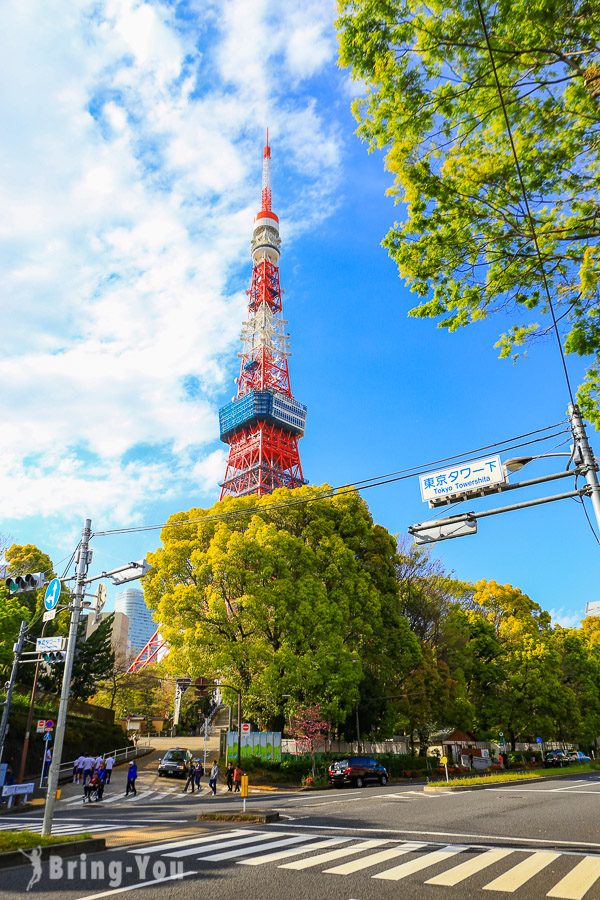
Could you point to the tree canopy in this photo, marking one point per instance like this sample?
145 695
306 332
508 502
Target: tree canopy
465 245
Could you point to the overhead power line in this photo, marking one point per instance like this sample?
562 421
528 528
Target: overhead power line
513 443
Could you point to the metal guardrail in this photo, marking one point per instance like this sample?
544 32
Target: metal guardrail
122 755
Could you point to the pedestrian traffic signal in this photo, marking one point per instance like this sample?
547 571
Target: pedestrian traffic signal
54 656
18 583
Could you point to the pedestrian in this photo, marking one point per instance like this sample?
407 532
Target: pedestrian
214 774
190 778
110 761
91 786
78 769
101 773
229 776
198 775
97 762
237 778
88 768
47 761
131 776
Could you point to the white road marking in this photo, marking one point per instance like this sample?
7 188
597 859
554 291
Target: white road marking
295 851
186 842
332 854
218 844
248 851
520 874
577 883
134 887
423 862
464 870
365 862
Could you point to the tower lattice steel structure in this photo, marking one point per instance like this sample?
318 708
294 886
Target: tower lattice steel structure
263 423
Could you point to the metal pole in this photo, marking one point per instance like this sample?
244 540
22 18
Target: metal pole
25 749
61 722
239 712
590 466
11 683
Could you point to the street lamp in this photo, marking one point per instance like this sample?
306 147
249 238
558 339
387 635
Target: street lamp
518 462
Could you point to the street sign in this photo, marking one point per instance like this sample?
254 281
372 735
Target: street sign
41 726
245 727
9 790
49 615
47 736
500 734
538 740
463 479
52 593
49 724
47 644
444 760
3 771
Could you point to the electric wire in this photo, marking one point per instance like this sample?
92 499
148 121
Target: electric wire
526 202
355 487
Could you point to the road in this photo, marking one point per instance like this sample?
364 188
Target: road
531 841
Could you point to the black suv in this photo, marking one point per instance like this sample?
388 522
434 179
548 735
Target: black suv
356 770
556 758
175 762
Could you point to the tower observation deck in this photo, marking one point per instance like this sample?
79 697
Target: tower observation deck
264 422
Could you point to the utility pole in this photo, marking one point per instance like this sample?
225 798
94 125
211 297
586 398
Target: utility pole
9 688
588 461
61 722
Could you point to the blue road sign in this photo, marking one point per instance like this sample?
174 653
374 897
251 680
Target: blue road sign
48 736
538 740
52 593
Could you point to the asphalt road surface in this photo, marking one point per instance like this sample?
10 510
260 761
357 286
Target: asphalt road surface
530 841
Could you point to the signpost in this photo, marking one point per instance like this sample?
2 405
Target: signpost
52 593
41 726
444 762
244 791
245 728
462 480
14 790
49 645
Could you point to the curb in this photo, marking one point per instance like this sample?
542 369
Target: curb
13 858
456 788
257 815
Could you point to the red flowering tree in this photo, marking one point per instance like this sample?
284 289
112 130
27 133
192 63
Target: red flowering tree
309 727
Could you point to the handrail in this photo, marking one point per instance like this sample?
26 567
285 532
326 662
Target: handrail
122 755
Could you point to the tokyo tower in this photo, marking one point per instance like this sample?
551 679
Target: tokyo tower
263 423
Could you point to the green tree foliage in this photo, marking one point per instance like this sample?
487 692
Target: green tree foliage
465 246
282 599
24 559
144 693
12 612
94 659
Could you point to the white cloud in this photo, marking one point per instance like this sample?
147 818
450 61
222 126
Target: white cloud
131 168
566 619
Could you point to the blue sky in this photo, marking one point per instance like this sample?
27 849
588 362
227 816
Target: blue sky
131 165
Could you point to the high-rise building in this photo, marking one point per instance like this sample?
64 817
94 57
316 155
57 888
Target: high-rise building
263 423
142 626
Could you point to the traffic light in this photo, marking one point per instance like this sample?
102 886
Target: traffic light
51 657
16 584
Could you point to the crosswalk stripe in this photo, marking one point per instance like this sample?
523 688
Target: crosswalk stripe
295 851
464 870
218 845
365 862
186 842
423 862
579 880
143 794
248 851
333 854
520 874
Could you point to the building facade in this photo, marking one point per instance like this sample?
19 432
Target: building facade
142 626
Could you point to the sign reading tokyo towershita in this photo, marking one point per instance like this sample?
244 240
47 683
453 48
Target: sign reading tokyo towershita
462 478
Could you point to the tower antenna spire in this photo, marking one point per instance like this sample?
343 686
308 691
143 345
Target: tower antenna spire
264 421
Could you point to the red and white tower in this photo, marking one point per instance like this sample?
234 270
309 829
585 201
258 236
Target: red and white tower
263 423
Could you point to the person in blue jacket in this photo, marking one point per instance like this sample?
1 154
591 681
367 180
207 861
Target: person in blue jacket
131 776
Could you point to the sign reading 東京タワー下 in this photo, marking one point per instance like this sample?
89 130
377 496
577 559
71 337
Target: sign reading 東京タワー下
464 478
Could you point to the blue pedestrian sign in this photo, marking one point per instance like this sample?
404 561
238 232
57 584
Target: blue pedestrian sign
52 593
47 736
538 740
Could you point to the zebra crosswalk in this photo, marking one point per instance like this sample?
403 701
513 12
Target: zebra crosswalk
148 796
59 826
567 875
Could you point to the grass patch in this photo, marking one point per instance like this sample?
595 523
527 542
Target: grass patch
502 777
24 840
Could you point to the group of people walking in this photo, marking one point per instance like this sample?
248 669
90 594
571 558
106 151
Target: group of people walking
233 777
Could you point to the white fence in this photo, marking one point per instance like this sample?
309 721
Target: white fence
122 755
